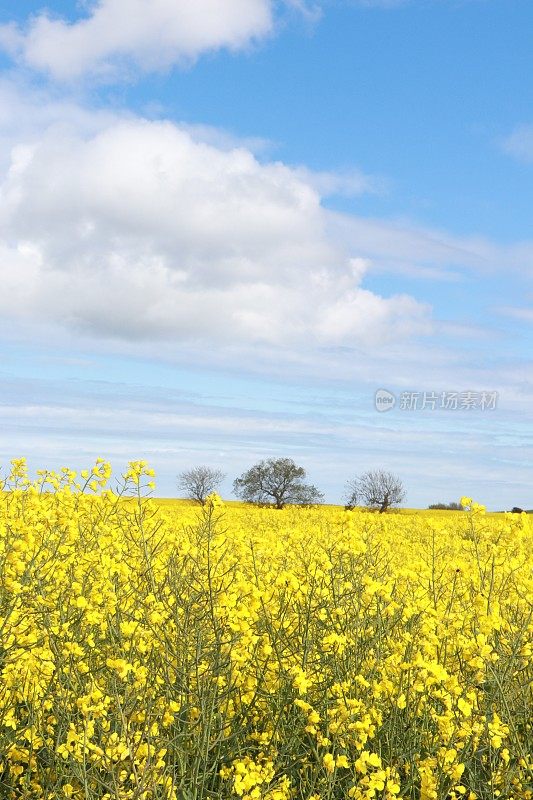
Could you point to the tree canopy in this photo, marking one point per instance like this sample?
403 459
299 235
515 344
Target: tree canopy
199 482
376 489
276 481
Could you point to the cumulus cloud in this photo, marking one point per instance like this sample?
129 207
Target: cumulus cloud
135 229
150 34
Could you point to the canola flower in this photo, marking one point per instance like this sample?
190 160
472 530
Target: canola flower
152 650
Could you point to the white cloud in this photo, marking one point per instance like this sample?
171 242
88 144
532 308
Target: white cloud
520 143
344 183
403 247
522 314
127 228
151 34
58 421
115 226
311 12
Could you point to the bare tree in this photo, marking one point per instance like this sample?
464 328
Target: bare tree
375 489
276 481
199 482
351 495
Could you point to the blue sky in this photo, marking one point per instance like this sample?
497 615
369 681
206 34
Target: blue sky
223 229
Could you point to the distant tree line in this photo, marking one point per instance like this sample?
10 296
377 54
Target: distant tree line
277 482
447 507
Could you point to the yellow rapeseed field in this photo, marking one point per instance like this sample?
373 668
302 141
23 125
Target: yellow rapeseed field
168 651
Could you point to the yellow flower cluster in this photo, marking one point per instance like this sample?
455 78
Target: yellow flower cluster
157 651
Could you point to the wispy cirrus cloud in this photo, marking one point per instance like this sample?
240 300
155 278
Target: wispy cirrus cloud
406 248
72 422
342 183
520 143
519 313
